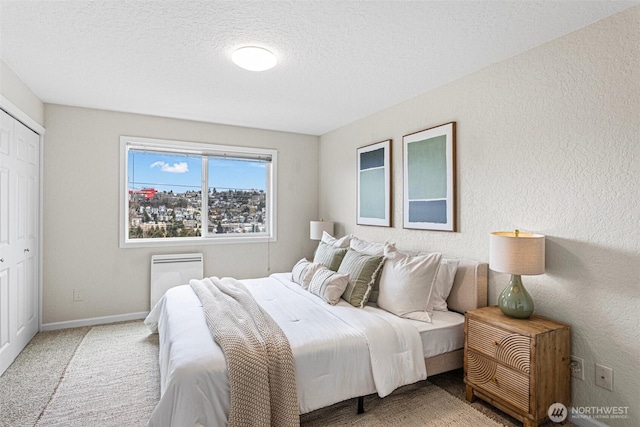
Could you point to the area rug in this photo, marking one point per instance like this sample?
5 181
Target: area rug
112 380
417 405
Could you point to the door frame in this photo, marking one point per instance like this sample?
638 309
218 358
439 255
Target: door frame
14 111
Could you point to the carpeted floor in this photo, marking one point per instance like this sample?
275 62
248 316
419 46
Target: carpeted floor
108 376
28 384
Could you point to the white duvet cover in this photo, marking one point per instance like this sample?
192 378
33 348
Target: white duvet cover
340 352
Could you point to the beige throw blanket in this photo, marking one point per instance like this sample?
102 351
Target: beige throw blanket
259 360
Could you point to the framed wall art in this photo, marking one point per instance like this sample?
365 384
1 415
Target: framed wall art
374 184
429 178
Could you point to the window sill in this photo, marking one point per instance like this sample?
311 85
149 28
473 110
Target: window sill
194 241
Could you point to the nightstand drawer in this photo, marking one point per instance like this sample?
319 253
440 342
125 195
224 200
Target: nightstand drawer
498 380
510 349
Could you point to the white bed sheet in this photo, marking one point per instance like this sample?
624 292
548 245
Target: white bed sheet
445 333
333 353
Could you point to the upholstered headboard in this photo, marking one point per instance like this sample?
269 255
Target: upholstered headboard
469 289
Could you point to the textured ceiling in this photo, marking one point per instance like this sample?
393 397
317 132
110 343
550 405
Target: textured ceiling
338 60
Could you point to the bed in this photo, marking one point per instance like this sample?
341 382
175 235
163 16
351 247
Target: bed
339 352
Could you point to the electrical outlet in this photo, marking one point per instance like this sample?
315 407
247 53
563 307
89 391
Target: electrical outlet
78 295
604 377
577 368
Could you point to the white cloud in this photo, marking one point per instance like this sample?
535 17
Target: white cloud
180 167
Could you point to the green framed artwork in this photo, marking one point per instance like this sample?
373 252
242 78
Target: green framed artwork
374 184
429 186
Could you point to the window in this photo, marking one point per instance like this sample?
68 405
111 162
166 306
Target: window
186 193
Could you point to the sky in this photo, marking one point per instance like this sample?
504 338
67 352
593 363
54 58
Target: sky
181 173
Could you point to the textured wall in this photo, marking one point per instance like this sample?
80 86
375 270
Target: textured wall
548 141
81 175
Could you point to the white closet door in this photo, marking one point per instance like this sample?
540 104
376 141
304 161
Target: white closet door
19 189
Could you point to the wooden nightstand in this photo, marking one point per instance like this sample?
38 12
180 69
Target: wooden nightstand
520 366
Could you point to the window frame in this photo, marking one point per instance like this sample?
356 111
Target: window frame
204 150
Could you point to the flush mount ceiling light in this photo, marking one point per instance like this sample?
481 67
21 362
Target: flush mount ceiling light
254 58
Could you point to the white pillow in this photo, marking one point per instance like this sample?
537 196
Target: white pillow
303 272
367 248
342 242
444 283
406 283
328 285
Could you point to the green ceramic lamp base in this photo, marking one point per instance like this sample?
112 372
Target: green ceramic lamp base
515 301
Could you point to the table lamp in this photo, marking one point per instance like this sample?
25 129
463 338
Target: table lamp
518 254
318 227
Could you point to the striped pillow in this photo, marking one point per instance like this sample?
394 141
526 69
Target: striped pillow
303 271
373 249
329 255
328 285
362 270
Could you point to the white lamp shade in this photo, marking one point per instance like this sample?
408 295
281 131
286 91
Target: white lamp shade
318 227
516 253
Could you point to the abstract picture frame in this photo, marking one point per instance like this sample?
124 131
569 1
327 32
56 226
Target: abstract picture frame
429 179
374 184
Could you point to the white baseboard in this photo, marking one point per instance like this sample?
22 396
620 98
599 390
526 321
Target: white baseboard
586 422
93 321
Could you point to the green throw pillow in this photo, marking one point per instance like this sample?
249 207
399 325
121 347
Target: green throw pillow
362 270
330 256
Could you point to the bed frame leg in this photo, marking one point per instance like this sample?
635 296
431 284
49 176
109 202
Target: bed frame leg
360 405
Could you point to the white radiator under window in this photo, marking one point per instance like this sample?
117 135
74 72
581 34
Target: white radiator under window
168 271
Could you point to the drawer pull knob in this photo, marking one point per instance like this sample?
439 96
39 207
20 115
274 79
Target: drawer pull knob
494 380
496 343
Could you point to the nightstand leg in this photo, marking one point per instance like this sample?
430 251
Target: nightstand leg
470 395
